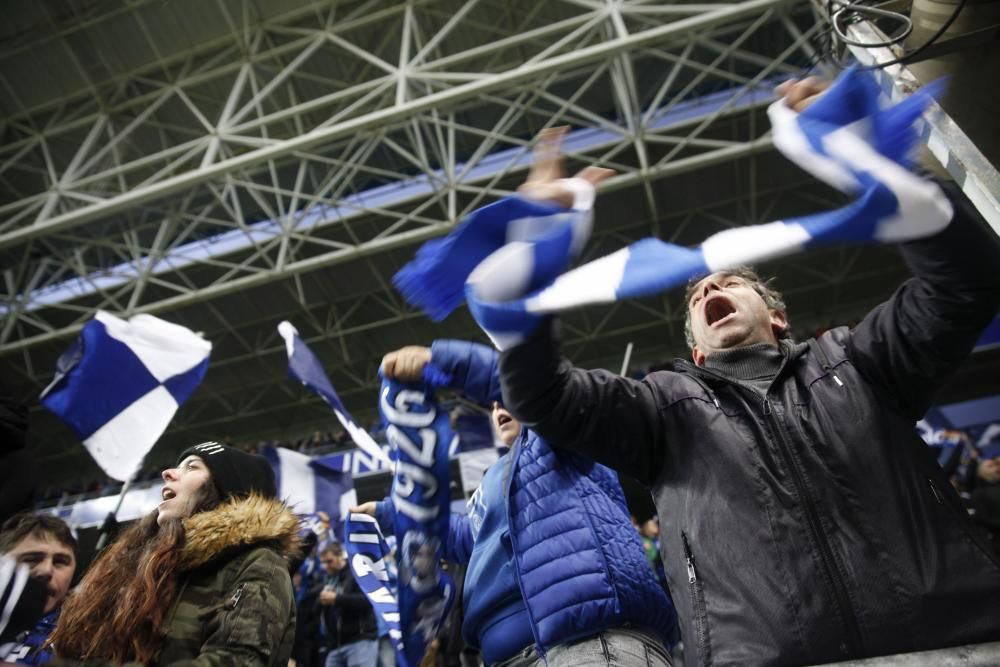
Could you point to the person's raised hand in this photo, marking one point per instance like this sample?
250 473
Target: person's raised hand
800 93
543 183
364 508
406 364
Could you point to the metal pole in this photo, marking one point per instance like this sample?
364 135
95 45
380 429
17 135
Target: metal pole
106 528
628 358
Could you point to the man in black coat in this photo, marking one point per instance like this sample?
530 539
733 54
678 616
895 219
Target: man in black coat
347 618
808 522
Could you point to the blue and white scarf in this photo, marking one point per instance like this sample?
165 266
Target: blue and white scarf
419 434
511 257
368 554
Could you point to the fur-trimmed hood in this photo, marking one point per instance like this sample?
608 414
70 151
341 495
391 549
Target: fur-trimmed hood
239 523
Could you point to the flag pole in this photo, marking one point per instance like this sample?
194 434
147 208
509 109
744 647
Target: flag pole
112 517
627 359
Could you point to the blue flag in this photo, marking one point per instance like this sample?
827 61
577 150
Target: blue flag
307 369
120 384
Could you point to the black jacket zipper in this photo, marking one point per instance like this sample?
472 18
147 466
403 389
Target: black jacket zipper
698 608
816 528
812 514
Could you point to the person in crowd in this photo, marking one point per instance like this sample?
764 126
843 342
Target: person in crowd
21 597
807 521
46 545
201 580
347 618
556 574
984 494
453 651
649 532
308 639
386 651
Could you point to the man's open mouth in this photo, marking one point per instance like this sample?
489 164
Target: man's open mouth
717 309
503 419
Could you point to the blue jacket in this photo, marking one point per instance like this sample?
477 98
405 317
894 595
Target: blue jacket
580 562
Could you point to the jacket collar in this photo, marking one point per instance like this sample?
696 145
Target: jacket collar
790 352
239 523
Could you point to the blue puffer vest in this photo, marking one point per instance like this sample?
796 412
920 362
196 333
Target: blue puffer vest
579 560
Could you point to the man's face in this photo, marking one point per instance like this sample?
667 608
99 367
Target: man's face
423 561
506 427
989 470
333 562
726 313
180 489
51 561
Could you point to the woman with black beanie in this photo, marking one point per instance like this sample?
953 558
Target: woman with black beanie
201 580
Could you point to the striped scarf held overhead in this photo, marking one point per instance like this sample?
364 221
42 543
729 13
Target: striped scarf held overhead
510 259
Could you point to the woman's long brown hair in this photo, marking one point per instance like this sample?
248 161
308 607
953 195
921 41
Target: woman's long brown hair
107 618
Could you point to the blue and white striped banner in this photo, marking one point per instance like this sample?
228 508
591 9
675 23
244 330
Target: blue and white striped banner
307 369
121 383
844 139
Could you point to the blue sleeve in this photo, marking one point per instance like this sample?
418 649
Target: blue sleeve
385 515
460 542
474 368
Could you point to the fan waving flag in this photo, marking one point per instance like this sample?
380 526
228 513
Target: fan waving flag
307 369
121 383
844 139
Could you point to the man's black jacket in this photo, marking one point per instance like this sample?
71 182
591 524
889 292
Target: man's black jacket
351 617
811 524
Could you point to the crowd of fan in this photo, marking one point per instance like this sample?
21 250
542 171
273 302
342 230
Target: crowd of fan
802 520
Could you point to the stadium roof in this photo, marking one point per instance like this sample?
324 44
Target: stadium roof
227 165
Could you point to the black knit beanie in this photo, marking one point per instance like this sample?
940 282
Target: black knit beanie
235 473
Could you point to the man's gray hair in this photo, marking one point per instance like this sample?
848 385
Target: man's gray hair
772 298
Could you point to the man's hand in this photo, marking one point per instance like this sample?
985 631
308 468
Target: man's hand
364 508
547 168
800 93
406 364
327 597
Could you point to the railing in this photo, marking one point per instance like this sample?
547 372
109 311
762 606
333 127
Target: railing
973 655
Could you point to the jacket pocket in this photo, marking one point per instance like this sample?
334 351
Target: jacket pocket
699 614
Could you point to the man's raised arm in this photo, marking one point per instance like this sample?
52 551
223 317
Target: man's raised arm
911 344
612 419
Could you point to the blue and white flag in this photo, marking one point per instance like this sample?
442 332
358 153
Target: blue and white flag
120 384
844 139
309 488
419 433
307 369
